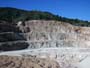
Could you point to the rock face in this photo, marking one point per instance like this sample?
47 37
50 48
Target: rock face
8 27
10 37
45 34
44 40
41 34
13 46
26 62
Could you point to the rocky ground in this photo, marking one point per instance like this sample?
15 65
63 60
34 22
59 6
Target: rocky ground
65 57
26 62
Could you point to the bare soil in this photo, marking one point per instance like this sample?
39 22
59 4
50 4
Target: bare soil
26 62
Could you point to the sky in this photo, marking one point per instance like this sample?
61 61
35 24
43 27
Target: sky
79 9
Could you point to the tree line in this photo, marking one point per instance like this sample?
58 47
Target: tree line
13 15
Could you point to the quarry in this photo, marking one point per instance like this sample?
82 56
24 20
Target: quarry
47 44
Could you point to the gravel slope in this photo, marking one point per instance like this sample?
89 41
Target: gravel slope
26 62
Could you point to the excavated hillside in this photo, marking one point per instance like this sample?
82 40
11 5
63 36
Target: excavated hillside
67 44
41 33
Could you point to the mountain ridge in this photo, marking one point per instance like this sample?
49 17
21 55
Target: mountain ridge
13 15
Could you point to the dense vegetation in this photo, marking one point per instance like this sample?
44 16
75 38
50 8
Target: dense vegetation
12 15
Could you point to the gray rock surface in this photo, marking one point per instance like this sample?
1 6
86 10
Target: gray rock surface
42 33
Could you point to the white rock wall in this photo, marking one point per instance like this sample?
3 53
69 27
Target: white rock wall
55 34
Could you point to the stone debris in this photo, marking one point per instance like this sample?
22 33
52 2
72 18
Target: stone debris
26 62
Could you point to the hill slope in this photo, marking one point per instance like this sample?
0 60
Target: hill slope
50 39
45 34
12 15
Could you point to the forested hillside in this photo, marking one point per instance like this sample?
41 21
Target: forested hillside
12 15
